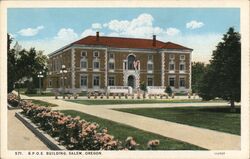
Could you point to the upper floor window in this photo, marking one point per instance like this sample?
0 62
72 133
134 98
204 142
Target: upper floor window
111 65
131 59
84 64
150 67
150 57
171 66
171 56
96 53
96 65
182 67
182 57
84 54
111 55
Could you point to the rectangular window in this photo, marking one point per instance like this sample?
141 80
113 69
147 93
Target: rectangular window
111 81
96 54
111 55
96 65
171 81
50 83
182 82
111 65
96 80
83 64
171 67
171 56
84 81
182 67
150 67
150 81
150 57
182 57
83 54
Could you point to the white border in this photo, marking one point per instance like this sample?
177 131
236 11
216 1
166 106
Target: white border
244 29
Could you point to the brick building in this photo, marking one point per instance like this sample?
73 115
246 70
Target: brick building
96 62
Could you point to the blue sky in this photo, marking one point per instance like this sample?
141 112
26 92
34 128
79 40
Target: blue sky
49 29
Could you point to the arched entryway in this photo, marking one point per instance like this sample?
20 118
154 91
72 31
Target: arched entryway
131 81
131 59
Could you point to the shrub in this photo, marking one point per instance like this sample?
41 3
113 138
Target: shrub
168 90
13 99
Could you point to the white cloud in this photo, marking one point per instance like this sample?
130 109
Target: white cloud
30 31
88 32
97 26
63 37
172 31
66 34
141 26
194 24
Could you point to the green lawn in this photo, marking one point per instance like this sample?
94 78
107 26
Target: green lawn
137 101
215 118
42 103
121 132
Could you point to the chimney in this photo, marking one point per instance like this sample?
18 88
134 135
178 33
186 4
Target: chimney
97 36
154 40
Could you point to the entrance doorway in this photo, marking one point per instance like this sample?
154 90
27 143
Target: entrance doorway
131 81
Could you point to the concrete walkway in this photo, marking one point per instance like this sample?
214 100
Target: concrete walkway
20 137
209 139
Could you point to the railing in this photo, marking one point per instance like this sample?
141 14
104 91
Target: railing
119 89
156 89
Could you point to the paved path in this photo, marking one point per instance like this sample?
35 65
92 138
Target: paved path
209 139
20 137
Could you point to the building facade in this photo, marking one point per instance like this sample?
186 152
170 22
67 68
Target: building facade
96 62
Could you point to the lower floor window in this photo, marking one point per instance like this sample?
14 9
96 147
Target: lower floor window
84 80
171 81
182 82
96 80
50 83
111 81
150 81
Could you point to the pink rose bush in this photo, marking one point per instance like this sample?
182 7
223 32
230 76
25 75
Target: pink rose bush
73 132
12 99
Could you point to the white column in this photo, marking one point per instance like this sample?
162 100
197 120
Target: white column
190 72
162 68
73 68
124 73
106 68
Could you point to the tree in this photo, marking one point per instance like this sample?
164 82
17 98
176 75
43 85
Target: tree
143 87
222 78
23 64
198 70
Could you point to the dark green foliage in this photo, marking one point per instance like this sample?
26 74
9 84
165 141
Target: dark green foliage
198 71
168 90
223 76
143 86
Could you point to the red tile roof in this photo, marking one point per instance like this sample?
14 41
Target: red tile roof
118 42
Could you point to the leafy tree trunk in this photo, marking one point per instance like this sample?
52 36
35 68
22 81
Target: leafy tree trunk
232 103
232 106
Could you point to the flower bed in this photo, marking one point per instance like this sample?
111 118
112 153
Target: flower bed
77 134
